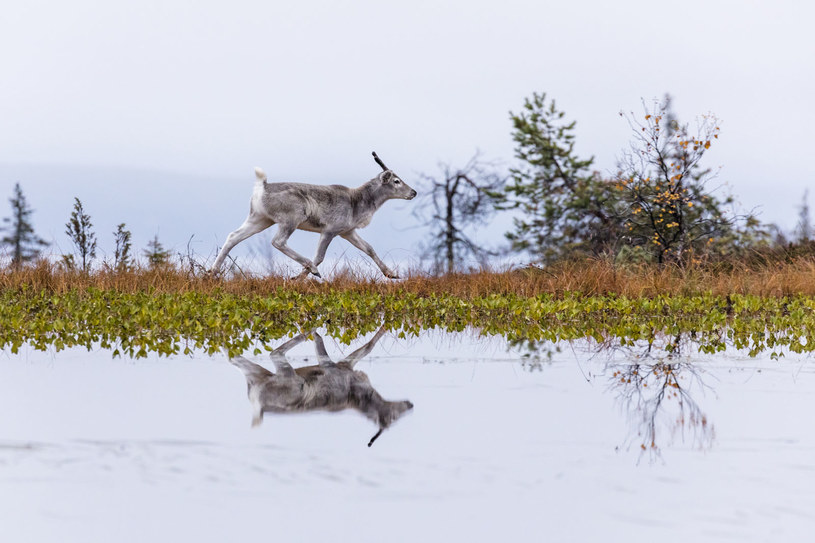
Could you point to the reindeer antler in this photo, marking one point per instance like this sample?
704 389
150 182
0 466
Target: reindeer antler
379 161
379 433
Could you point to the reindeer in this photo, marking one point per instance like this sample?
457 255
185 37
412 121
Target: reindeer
333 210
327 386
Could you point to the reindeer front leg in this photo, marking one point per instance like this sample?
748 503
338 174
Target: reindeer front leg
366 248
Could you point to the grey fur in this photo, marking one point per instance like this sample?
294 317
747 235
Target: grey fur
333 210
327 386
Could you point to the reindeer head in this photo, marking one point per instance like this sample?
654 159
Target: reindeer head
392 184
389 413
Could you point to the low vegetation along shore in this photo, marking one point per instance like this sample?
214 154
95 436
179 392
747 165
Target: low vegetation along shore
682 269
171 311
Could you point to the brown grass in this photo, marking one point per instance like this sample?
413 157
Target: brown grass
588 277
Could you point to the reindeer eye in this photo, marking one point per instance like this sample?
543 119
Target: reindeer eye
397 181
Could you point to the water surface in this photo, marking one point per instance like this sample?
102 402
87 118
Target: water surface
575 446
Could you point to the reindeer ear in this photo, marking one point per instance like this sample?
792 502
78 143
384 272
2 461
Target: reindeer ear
386 176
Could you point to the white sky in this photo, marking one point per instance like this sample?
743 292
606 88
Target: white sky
155 112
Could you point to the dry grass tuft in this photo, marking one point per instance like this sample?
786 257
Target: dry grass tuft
588 277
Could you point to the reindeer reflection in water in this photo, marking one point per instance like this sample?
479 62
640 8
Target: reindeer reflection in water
327 386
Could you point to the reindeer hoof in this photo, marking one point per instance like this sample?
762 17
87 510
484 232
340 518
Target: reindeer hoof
311 269
391 275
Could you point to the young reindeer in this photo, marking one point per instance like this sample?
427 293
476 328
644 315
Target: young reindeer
328 386
333 210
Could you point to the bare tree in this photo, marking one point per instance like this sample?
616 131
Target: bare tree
460 198
804 228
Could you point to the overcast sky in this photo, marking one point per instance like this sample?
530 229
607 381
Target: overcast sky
155 112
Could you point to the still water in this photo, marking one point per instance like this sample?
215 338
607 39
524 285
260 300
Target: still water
568 444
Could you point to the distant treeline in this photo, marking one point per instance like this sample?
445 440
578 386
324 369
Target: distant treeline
657 209
24 246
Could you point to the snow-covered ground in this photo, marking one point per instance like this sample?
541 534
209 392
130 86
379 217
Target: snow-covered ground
95 449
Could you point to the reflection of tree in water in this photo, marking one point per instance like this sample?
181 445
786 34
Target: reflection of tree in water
654 387
534 354
653 383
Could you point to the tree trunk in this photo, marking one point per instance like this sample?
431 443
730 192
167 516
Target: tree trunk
450 235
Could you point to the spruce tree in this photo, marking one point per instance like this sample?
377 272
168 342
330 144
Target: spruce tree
157 256
20 238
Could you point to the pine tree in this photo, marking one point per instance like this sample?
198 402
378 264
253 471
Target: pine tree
79 229
562 203
24 244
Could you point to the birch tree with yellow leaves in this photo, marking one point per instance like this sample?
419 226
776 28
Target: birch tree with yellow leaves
669 209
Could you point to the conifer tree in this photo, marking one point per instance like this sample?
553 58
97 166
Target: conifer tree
79 230
121 255
562 202
156 255
23 243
